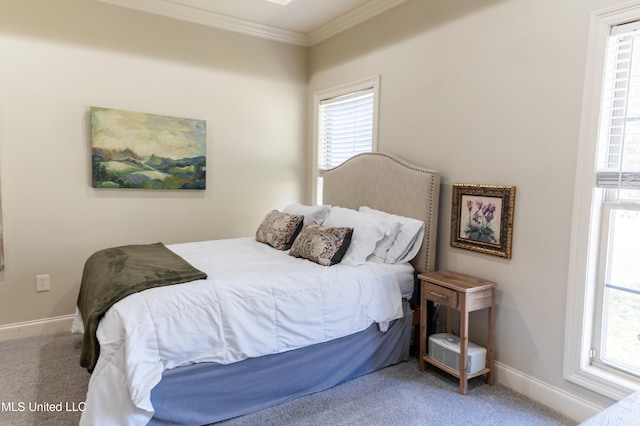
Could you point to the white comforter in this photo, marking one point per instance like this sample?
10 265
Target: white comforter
255 301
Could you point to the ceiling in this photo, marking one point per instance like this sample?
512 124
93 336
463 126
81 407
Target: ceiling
301 22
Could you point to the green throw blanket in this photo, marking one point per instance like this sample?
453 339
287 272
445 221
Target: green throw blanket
111 274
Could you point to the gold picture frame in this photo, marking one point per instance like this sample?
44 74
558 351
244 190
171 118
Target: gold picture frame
482 218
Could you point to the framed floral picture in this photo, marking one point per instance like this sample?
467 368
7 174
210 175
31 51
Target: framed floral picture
482 218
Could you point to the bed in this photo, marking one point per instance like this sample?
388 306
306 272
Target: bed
268 325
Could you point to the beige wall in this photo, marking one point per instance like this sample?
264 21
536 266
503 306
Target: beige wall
487 92
58 58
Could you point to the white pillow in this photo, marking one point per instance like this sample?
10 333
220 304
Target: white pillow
315 214
409 239
382 247
368 230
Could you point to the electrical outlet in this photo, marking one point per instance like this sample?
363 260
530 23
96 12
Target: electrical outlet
42 282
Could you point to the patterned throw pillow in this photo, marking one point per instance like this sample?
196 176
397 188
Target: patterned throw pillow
279 229
323 245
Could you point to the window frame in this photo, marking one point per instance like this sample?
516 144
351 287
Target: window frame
587 222
607 227
344 89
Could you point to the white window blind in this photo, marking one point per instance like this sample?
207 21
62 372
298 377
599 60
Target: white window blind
618 165
345 128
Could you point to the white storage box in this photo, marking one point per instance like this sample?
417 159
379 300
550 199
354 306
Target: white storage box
445 349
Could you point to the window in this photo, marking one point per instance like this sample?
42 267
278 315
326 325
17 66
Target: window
617 329
603 311
345 119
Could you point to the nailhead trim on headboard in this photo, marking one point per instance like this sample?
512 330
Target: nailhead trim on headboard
385 182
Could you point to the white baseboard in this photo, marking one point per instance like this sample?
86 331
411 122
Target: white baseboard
36 328
570 405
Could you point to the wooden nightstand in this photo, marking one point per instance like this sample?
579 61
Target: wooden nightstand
465 294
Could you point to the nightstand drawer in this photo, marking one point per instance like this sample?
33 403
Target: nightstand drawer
440 295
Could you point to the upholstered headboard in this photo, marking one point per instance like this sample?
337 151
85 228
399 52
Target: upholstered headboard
386 182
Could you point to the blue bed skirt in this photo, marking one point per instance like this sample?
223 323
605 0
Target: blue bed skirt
206 393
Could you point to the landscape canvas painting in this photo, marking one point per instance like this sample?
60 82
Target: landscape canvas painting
148 151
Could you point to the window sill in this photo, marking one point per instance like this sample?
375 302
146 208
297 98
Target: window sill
604 382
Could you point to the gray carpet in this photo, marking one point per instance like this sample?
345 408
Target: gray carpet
40 375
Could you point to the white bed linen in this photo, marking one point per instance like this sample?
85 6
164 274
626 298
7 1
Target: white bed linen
255 301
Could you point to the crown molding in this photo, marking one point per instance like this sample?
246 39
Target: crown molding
204 17
350 19
196 15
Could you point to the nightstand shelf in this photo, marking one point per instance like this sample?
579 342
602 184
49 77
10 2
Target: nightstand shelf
453 372
462 293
